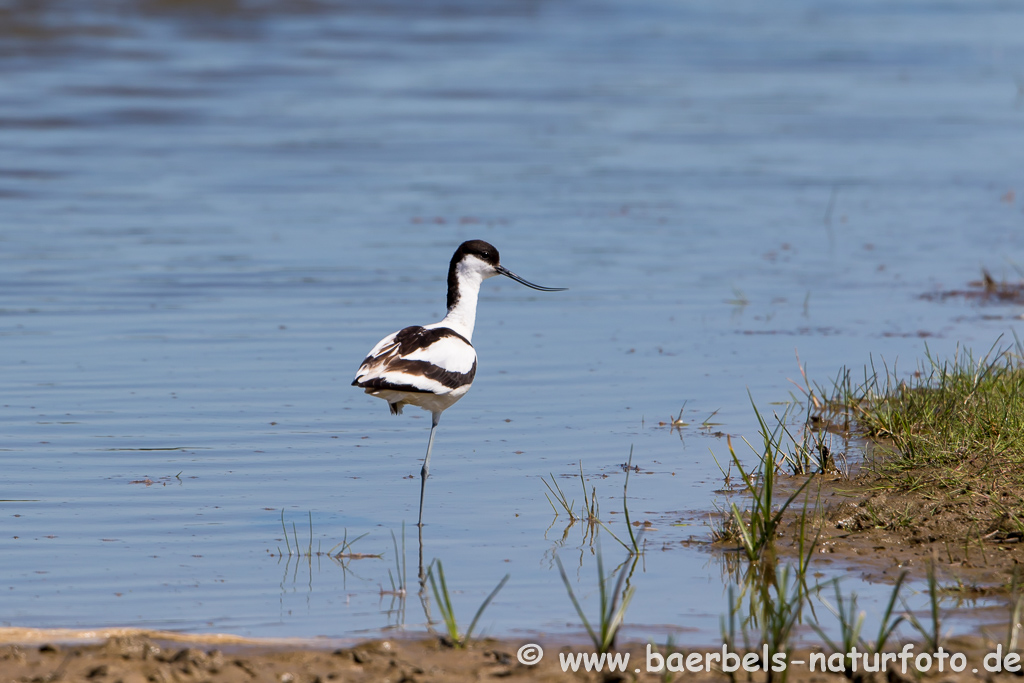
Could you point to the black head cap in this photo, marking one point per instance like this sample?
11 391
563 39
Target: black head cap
484 251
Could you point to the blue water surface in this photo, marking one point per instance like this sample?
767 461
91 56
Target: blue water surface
208 215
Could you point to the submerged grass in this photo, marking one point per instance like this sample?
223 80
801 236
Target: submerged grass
341 552
398 578
444 605
757 529
560 497
851 623
589 512
297 549
931 631
1016 615
766 613
612 604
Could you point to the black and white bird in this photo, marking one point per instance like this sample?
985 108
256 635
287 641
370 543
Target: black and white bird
433 366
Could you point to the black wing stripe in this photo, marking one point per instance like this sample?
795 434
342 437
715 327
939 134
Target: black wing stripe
409 340
381 383
421 368
412 338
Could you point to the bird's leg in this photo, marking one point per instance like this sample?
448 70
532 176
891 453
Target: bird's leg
423 574
426 463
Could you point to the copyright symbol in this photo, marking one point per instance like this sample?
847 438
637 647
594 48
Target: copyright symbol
530 654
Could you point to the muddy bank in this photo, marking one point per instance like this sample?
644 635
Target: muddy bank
879 527
138 657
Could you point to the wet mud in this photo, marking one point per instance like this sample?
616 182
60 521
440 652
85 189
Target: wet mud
879 528
987 290
148 656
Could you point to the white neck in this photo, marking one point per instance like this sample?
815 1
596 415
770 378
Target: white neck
462 316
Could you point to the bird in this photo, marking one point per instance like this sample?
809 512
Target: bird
433 366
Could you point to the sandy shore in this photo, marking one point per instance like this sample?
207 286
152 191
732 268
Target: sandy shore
140 656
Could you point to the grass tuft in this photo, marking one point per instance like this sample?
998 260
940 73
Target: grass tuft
931 632
612 604
560 497
398 578
947 410
756 530
589 512
444 604
298 550
851 622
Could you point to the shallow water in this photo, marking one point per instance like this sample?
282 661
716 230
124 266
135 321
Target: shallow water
210 215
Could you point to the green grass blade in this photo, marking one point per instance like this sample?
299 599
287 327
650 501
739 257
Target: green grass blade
576 604
483 606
